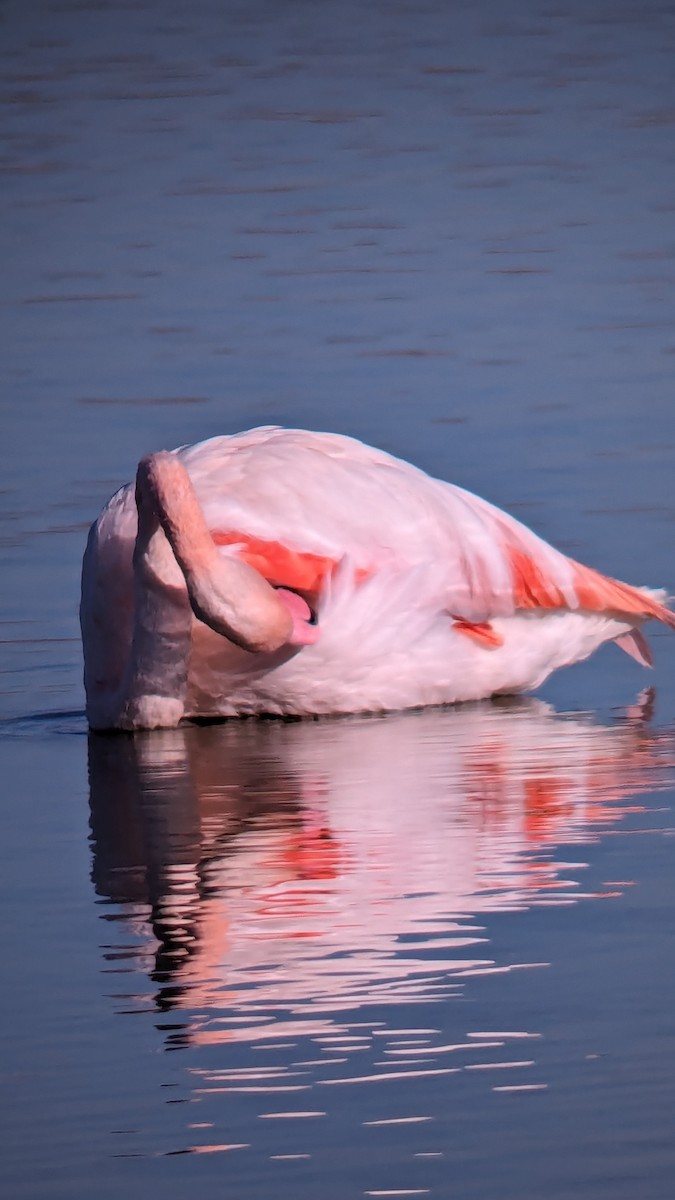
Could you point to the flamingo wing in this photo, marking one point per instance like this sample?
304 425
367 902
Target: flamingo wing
298 505
542 579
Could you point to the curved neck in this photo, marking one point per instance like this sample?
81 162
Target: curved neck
179 575
152 691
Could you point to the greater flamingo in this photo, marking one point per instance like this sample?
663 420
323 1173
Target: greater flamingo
293 573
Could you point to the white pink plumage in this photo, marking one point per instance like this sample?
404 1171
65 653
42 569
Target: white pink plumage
350 580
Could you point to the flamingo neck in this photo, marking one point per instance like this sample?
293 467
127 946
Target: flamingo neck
179 574
154 686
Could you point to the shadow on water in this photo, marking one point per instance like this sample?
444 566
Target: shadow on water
293 880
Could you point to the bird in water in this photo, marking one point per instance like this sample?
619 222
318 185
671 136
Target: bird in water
291 573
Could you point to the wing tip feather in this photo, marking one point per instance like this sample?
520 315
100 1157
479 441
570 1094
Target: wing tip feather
600 593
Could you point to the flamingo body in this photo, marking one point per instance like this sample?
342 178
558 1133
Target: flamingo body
286 572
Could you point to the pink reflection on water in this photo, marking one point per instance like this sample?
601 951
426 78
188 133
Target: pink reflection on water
279 877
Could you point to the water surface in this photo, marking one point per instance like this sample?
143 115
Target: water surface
427 954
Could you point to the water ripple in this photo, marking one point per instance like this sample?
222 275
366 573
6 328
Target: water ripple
289 890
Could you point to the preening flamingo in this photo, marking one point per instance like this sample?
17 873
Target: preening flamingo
293 573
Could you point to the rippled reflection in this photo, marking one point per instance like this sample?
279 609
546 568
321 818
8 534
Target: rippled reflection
277 878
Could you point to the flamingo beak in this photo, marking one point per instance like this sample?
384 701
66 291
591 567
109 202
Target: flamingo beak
303 633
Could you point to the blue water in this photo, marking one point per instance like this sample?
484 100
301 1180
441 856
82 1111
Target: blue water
446 229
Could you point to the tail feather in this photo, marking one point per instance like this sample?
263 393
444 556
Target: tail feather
599 593
536 585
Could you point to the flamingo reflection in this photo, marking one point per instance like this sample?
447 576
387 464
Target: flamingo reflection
276 874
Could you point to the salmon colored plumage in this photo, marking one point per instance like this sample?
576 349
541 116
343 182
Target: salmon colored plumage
278 564
286 572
